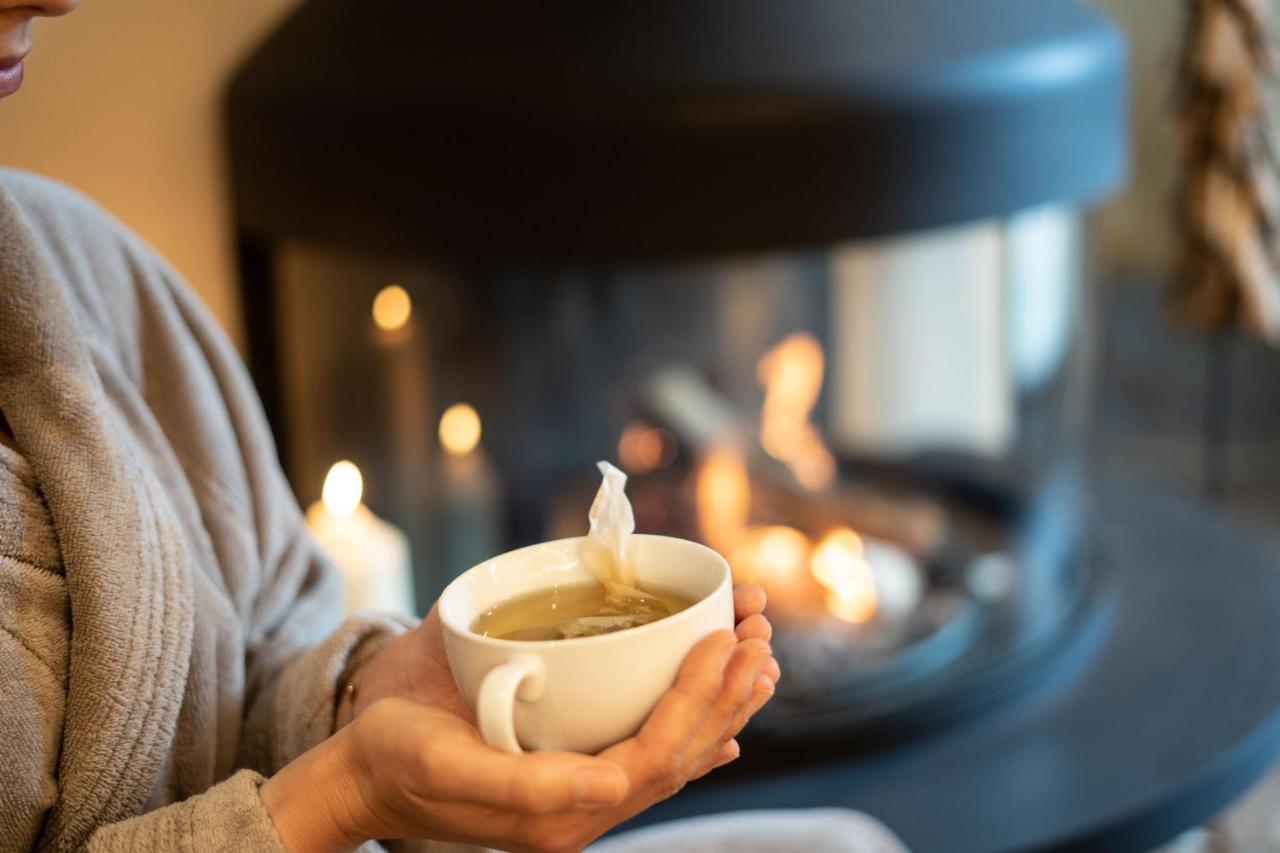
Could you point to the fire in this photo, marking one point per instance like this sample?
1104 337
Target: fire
643 448
774 555
723 497
839 563
777 555
791 374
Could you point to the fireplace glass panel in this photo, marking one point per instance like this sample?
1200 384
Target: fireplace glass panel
888 434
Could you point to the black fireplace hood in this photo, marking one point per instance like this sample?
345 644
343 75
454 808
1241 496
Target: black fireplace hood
648 128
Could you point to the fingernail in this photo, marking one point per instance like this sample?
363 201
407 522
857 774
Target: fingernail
735 750
600 787
764 684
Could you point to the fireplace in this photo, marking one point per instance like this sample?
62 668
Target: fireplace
815 274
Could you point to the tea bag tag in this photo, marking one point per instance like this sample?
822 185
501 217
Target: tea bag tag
607 550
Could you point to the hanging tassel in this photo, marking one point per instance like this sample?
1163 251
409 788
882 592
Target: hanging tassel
1229 201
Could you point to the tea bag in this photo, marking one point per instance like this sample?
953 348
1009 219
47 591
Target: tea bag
607 552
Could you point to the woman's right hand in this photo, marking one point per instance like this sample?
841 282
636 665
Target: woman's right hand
407 770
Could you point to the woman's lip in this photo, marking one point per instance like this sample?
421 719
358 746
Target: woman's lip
10 78
8 62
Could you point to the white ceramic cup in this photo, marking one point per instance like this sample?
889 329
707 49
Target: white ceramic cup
587 693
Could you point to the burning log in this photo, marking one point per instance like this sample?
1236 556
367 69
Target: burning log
916 524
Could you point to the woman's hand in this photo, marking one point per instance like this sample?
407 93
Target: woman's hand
414 665
417 767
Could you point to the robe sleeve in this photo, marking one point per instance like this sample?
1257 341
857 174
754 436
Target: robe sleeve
228 816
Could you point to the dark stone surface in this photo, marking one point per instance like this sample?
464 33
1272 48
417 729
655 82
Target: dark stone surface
1153 412
1161 715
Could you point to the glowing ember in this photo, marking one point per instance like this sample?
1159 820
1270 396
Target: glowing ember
852 602
643 448
840 564
791 373
774 556
723 495
834 555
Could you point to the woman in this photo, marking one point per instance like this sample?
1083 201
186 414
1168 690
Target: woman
173 670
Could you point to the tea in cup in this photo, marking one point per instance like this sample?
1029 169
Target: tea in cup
588 680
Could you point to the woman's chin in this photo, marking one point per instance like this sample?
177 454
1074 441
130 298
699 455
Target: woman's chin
10 79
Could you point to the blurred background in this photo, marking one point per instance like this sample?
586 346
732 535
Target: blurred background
472 260
124 101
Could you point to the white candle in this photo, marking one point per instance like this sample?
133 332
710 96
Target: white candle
470 494
372 554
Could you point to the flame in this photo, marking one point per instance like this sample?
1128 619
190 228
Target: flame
791 374
392 308
459 429
643 448
839 563
723 497
774 555
343 487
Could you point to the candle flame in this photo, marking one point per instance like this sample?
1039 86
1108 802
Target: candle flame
459 429
392 308
343 487
791 374
839 563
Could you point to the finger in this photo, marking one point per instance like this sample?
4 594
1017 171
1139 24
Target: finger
729 751
748 600
465 770
744 668
679 713
754 627
761 692
773 670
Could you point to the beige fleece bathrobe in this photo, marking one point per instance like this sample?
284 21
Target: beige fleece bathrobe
168 631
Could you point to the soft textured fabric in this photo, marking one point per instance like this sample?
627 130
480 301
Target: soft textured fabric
760 831
165 619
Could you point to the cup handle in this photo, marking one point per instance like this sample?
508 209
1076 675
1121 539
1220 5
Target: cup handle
524 678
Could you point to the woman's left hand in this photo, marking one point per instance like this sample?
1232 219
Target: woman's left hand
414 665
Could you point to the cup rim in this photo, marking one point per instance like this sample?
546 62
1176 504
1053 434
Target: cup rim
702 604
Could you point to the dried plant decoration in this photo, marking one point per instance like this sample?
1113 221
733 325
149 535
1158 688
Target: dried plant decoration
1229 268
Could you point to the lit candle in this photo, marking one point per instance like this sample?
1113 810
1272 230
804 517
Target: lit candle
469 507
372 554
392 310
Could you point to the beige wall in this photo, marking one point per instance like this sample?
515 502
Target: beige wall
1135 233
121 100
